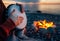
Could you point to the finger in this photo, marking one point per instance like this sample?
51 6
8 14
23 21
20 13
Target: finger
21 19
17 21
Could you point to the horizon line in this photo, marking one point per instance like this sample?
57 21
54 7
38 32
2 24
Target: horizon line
41 3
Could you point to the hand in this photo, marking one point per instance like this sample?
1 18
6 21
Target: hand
17 20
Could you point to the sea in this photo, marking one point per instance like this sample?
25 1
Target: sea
50 9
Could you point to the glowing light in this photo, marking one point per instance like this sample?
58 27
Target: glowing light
43 24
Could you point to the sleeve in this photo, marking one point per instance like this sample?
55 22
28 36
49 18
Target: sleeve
5 28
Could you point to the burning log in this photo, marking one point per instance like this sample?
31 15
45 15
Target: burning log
43 24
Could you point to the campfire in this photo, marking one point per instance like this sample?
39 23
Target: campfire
43 24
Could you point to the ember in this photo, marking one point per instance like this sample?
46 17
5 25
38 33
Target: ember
43 24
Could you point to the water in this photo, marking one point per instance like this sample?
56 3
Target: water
52 9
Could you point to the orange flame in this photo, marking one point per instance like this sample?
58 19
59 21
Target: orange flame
43 24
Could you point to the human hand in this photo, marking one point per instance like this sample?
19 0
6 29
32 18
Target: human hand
19 20
16 19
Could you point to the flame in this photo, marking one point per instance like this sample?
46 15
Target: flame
43 24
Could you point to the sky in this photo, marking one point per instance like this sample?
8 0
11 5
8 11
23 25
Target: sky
58 1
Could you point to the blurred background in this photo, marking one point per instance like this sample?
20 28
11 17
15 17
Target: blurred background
45 6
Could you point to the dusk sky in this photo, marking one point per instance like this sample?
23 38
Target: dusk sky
36 0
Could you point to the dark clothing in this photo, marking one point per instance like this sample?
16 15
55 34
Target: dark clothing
5 29
2 14
5 26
